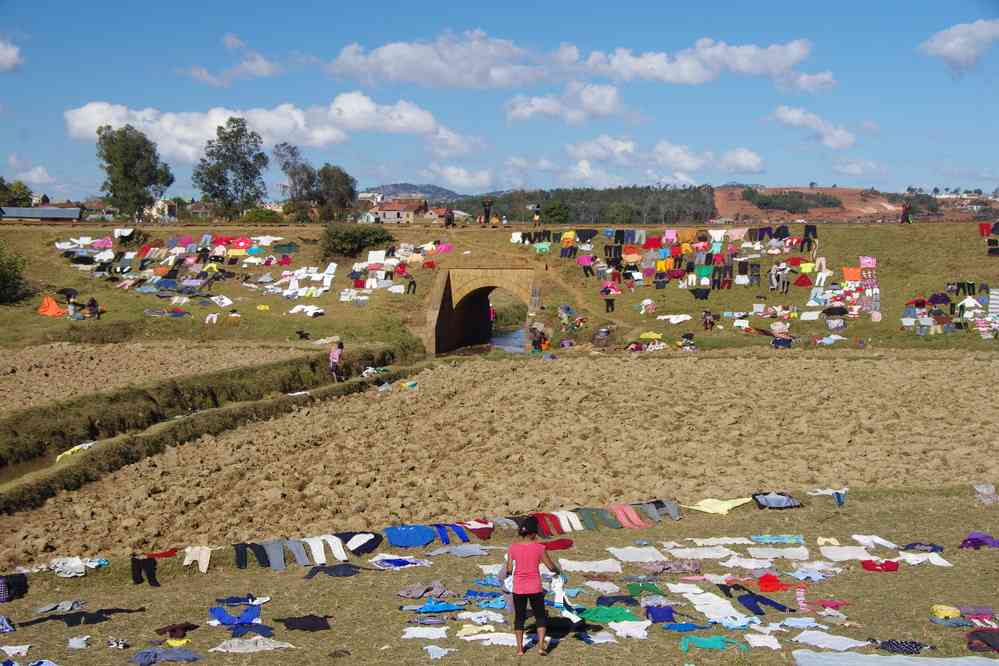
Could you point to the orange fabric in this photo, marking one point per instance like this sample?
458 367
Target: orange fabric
49 308
851 273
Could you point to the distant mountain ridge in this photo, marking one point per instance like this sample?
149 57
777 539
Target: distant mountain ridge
427 191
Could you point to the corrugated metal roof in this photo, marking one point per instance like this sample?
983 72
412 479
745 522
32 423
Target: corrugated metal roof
40 213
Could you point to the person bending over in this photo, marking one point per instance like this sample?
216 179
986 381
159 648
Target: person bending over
525 556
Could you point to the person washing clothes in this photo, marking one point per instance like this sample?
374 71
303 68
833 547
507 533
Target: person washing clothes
410 284
526 556
336 353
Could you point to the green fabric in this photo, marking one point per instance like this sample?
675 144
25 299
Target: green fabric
703 271
604 516
710 643
636 589
604 614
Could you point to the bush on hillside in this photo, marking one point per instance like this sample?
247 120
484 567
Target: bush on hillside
792 202
262 216
348 240
12 284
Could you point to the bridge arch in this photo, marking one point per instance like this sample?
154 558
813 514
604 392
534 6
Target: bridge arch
458 314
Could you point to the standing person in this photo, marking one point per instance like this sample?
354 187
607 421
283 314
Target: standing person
608 295
93 309
537 219
410 284
336 353
526 556
492 317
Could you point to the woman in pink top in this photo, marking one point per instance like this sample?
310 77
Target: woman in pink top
336 352
525 556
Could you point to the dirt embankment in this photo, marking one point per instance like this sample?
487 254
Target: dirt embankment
490 438
856 205
55 372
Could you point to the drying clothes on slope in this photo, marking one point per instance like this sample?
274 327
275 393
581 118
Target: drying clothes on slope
828 641
810 658
631 628
598 566
920 558
426 633
762 640
706 553
713 606
721 541
800 553
305 622
637 554
151 656
248 645
711 643
844 553
722 507
873 541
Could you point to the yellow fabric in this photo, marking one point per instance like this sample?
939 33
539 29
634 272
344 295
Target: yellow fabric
687 248
212 268
944 612
807 268
263 307
177 642
651 335
236 252
76 449
722 507
661 266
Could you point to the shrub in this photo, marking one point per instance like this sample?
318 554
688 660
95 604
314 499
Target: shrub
555 212
792 202
12 284
262 216
348 240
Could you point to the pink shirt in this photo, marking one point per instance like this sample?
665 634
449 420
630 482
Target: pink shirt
527 560
335 355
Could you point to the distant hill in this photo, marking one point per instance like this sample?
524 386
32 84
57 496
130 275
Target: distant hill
431 192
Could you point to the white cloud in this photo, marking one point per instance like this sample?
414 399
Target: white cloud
231 41
471 59
10 56
525 164
445 143
32 175
679 157
741 160
461 178
577 103
602 149
858 168
584 173
832 136
182 135
961 46
252 66
708 60
676 179
566 54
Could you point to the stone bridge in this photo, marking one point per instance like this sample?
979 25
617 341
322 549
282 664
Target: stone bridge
458 311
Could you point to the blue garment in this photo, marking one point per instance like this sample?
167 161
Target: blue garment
489 581
779 538
752 602
235 601
800 622
5 626
684 626
814 575
246 617
738 625
923 547
240 630
410 536
152 656
951 621
395 562
572 592
435 606
498 603
40 662
659 614
442 532
618 599
471 594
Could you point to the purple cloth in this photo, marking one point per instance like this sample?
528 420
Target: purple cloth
978 539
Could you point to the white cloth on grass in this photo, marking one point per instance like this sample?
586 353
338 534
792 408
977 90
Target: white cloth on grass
637 554
631 628
430 633
844 553
920 558
598 566
762 640
247 645
828 491
602 586
713 606
78 643
16 650
828 641
810 658
569 521
68 567
707 553
602 637
873 541
746 563
482 617
504 639
797 553
491 569
437 652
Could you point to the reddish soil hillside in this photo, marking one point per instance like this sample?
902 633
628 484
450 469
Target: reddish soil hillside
856 205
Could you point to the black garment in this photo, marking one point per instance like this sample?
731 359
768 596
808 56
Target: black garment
806 245
537 607
608 305
902 647
588 270
336 570
258 552
177 631
700 294
761 502
13 586
811 231
983 640
585 235
619 237
305 622
411 287
835 311
368 546
625 599
77 618
144 566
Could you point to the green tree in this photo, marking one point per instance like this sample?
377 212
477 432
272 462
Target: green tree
230 174
618 214
14 194
555 212
936 191
134 175
12 285
182 208
262 216
335 193
348 240
45 200
303 180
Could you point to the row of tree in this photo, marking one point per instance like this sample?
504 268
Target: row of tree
792 201
16 194
230 174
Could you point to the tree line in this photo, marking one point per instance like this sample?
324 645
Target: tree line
791 201
617 206
229 175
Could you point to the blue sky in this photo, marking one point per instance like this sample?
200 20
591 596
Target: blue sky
523 95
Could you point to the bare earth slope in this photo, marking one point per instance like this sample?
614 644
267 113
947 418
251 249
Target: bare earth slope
502 437
856 205
54 372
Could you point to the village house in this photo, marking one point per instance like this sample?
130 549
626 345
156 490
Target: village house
400 211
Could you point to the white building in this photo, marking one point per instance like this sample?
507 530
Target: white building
162 210
374 198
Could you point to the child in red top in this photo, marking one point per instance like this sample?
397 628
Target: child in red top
526 556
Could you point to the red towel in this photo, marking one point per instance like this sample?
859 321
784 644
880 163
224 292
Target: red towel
558 544
163 553
803 281
871 565
984 228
